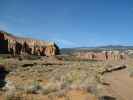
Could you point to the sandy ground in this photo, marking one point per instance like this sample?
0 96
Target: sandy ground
120 84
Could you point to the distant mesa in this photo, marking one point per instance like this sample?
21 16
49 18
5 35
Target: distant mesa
18 45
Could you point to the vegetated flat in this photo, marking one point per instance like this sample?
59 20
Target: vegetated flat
51 78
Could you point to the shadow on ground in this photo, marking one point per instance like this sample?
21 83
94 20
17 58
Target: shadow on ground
3 73
107 98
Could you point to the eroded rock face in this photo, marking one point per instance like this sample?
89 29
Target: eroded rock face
50 50
18 46
105 55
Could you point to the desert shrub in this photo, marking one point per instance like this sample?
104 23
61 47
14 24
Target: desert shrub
61 93
13 95
99 78
73 77
89 88
33 88
67 98
130 72
4 56
92 89
30 57
49 88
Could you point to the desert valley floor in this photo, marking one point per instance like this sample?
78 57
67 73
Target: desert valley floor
43 78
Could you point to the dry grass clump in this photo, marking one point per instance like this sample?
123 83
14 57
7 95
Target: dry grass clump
61 93
34 88
13 95
17 95
130 72
56 88
72 77
49 89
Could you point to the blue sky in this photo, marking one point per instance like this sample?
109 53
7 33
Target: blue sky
70 23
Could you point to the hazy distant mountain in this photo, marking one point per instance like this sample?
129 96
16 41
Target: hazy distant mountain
116 47
96 49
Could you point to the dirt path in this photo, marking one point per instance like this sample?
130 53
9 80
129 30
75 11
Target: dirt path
121 85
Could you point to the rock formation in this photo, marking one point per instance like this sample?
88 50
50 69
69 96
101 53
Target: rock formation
17 46
104 55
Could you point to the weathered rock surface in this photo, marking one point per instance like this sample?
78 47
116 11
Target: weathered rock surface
102 56
18 46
